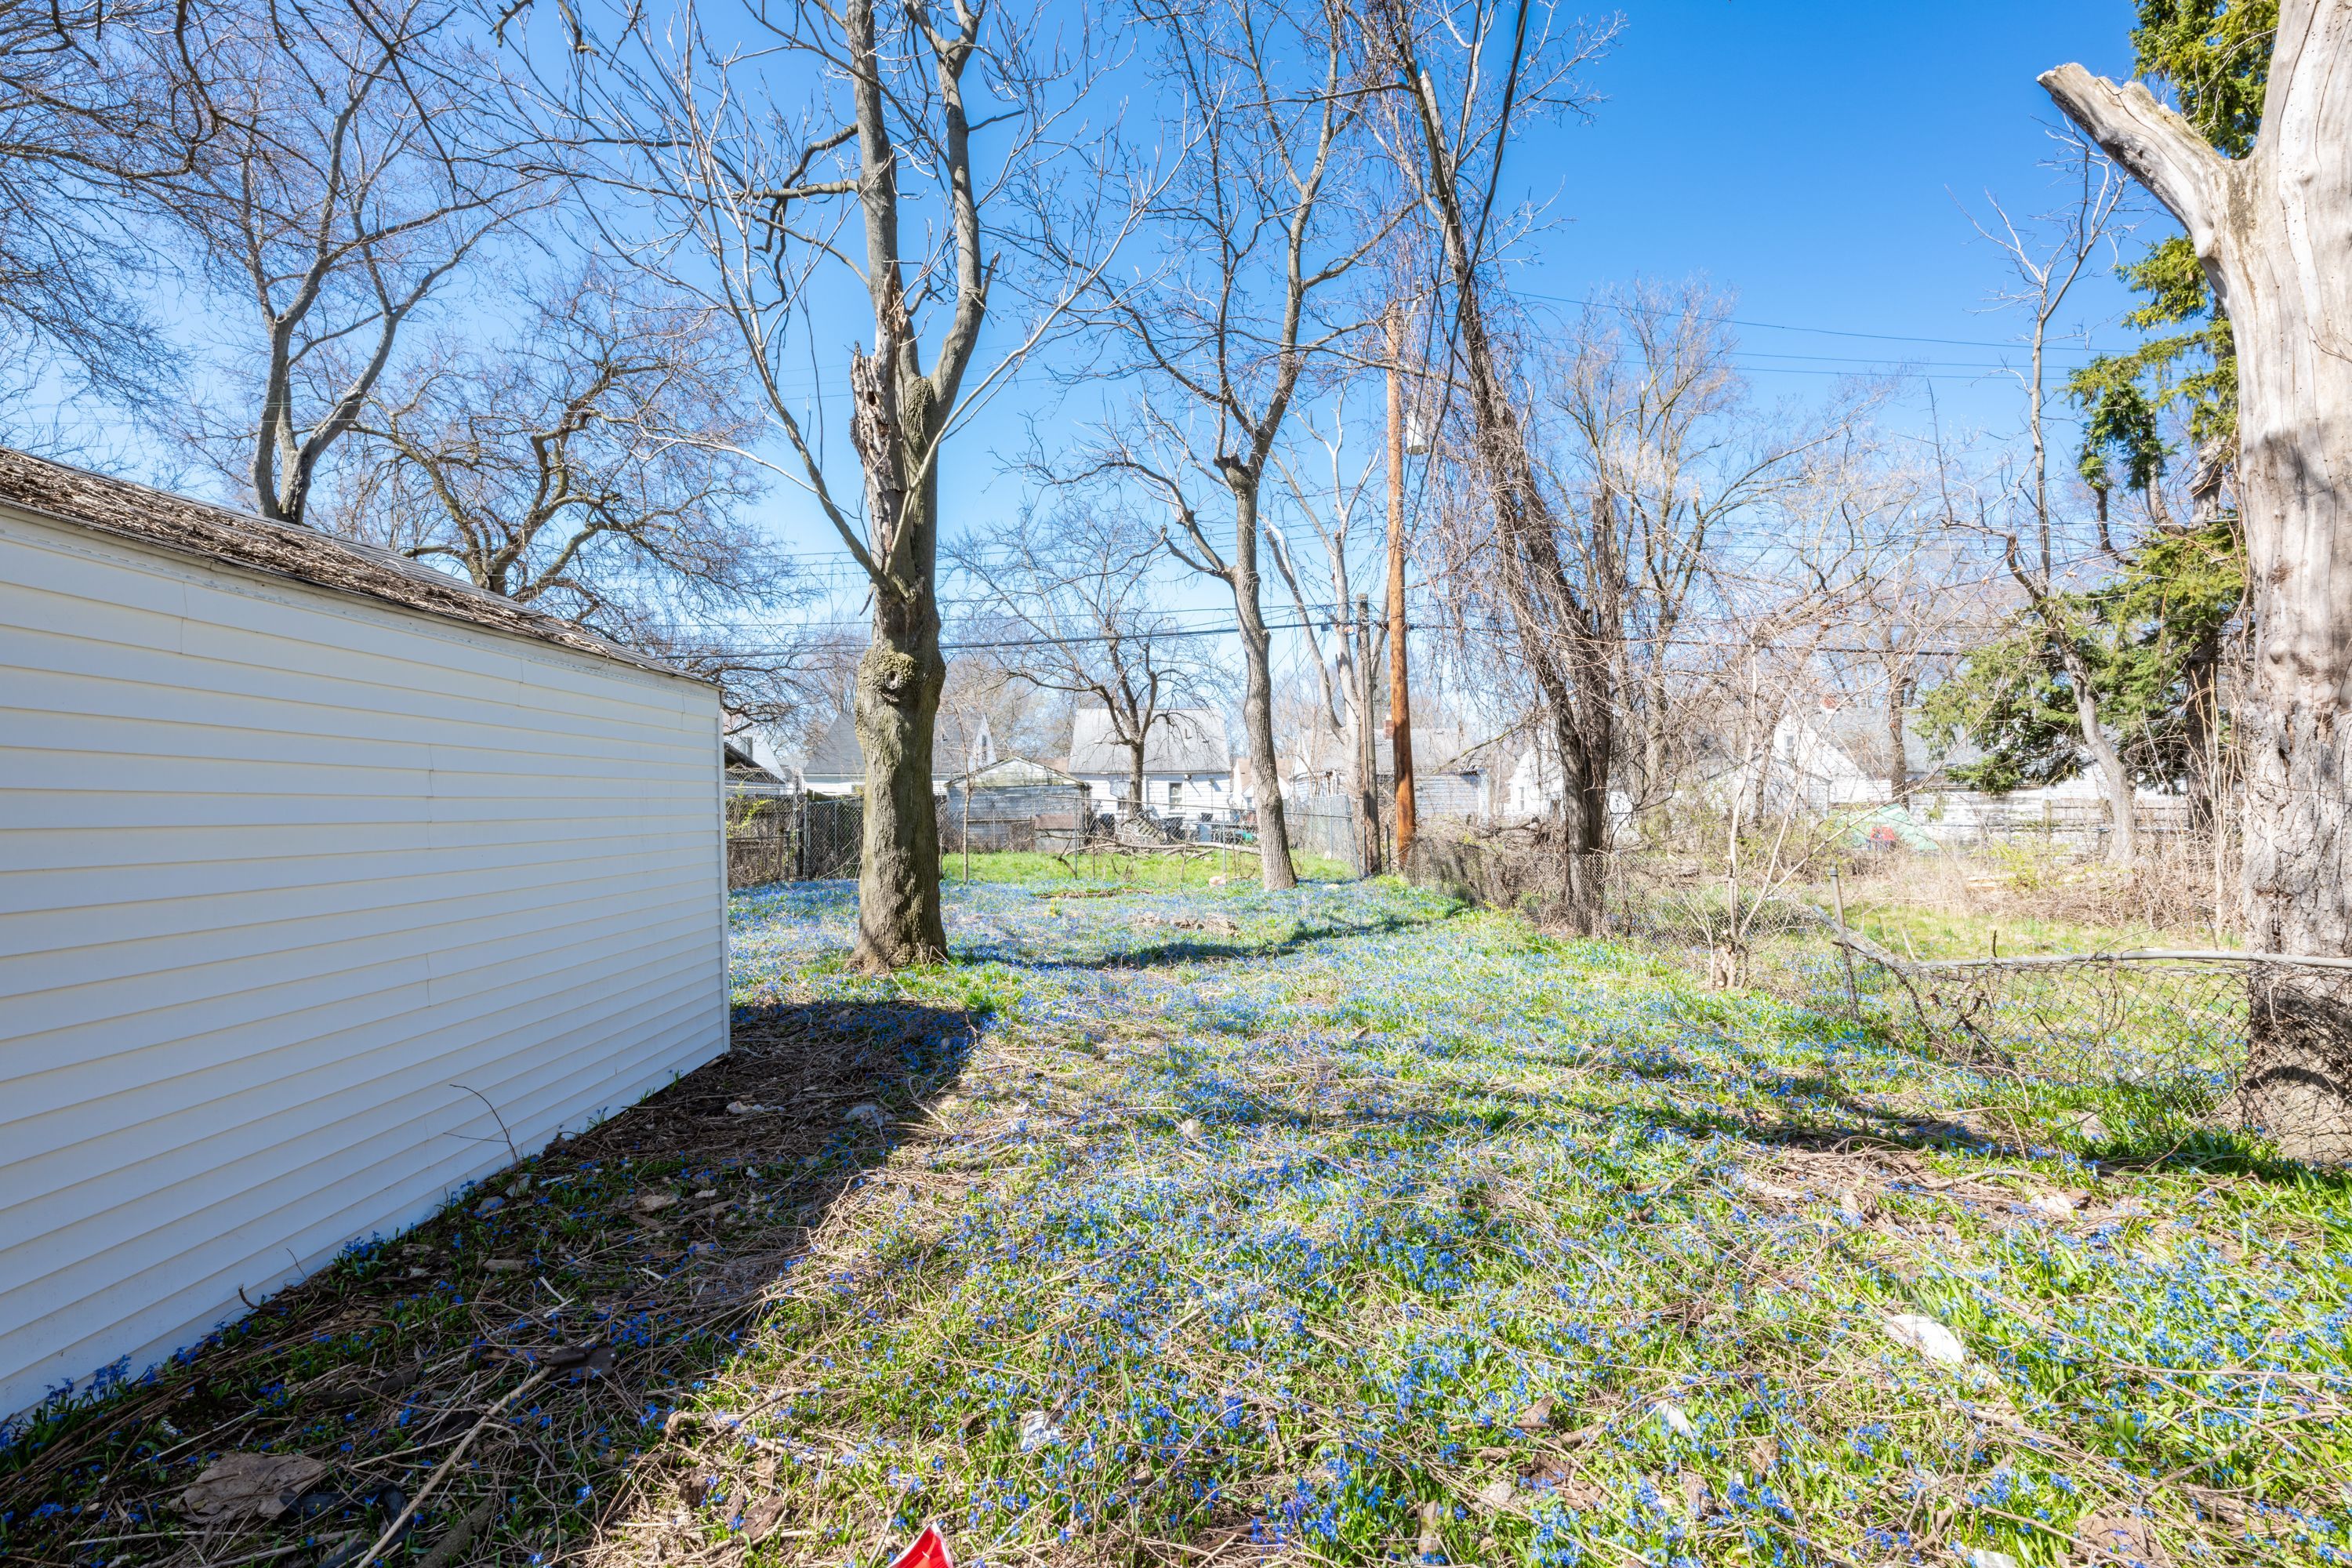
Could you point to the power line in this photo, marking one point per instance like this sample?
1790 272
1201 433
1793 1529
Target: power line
1789 327
1622 638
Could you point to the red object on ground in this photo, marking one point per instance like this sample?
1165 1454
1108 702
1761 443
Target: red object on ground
930 1550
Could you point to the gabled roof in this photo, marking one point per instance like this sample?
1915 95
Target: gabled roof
1183 741
837 758
1018 773
59 493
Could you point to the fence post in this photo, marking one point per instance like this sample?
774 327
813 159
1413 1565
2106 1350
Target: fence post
1852 992
800 842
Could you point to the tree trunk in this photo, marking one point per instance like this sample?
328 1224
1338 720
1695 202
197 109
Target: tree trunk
897 701
1555 628
1898 766
1257 700
2115 779
1135 778
1366 764
2200 706
897 698
2275 233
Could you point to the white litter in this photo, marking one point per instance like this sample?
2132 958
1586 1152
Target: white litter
1928 1337
1676 1421
1036 1432
1764 1189
743 1108
2056 1205
1979 1557
869 1113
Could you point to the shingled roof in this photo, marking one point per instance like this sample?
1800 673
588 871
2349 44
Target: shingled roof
1188 741
59 493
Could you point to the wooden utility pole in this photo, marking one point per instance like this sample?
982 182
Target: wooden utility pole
1368 748
1400 699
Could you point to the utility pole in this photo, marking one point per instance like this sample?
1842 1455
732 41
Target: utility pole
1400 699
1368 750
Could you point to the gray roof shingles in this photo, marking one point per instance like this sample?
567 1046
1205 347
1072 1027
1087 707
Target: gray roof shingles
60 493
1183 741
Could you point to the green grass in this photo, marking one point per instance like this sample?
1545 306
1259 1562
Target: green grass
1345 1225
1943 933
1115 868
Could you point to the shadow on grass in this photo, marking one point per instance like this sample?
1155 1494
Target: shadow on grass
616 1269
1192 950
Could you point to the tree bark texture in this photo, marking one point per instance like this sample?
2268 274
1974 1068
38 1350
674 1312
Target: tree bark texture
1257 697
900 678
2115 779
1898 766
2274 232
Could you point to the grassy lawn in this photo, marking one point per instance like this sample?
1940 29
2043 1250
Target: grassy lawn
1112 868
1341 1225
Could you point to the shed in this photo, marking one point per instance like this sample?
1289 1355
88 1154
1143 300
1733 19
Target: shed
1017 804
315 866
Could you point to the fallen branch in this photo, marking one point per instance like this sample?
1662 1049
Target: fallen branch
441 1471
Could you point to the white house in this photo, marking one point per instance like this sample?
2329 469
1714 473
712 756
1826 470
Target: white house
308 858
1188 767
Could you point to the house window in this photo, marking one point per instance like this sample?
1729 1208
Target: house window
1175 793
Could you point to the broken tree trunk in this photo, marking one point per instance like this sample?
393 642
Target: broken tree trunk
2274 232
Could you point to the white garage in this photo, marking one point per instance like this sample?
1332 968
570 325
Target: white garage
309 858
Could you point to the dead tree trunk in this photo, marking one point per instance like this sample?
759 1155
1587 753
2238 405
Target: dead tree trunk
2272 229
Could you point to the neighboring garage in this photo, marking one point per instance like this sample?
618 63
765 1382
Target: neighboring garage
309 859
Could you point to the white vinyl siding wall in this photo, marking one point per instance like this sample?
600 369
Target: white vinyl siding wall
280 868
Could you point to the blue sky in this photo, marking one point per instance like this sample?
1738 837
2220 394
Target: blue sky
1819 161
1814 158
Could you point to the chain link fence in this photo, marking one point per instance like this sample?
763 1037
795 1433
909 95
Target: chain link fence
787 837
2137 1046
2145 1049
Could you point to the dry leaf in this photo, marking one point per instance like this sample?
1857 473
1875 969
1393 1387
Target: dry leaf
761 1516
241 1485
1432 1542
2118 1535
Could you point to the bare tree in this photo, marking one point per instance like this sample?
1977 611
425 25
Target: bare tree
97 97
1644 411
2253 222
2049 256
1462 81
759 189
1069 603
1326 498
591 467
358 153
1253 241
